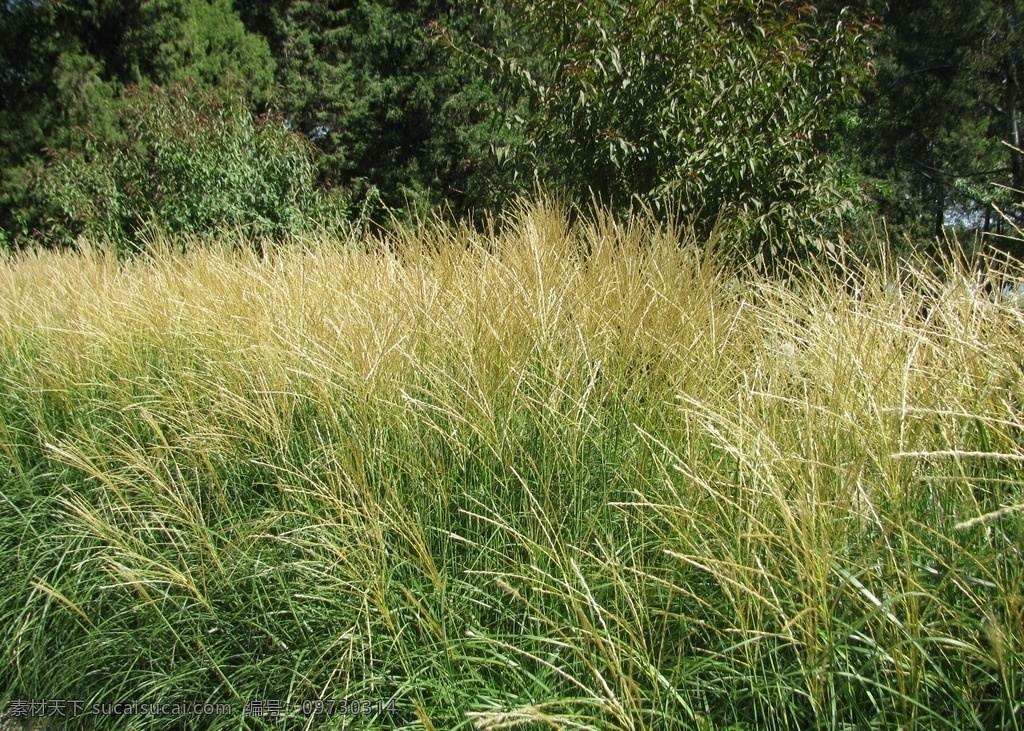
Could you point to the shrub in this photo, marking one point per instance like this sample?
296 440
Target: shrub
187 163
709 107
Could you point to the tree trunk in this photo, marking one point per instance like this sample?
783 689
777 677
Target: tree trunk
1013 67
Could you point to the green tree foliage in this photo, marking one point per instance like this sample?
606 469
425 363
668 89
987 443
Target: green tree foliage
80 57
391 110
64 68
757 111
191 163
707 106
946 98
198 41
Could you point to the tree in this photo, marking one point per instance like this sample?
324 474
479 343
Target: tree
197 41
388 107
64 69
706 106
947 97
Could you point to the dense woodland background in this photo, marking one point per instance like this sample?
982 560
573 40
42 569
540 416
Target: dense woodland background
781 121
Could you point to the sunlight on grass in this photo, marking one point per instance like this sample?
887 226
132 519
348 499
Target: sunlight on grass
561 476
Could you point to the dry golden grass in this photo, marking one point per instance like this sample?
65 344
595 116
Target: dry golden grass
577 476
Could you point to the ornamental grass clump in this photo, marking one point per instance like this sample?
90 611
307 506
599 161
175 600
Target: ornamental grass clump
559 475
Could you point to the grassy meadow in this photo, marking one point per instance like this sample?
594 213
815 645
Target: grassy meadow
562 476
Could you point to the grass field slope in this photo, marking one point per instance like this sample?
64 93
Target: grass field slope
570 476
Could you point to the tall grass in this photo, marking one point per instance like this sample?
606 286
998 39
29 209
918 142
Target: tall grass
563 476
